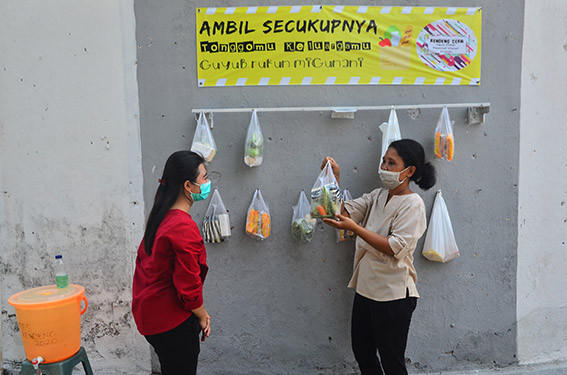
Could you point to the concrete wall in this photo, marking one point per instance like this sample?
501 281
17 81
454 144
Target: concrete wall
279 307
70 172
542 217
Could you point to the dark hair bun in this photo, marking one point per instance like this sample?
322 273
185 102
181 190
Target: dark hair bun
428 176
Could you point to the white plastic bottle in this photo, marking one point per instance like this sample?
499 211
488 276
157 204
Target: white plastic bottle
61 277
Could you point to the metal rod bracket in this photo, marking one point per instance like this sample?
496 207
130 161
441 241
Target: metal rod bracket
476 115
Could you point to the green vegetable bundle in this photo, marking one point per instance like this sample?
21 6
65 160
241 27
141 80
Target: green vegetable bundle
302 229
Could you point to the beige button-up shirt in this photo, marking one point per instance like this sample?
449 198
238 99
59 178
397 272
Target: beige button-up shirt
376 275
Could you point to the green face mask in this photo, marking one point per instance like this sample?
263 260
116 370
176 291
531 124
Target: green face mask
205 190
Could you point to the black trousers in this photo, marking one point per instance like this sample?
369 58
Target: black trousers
383 326
178 349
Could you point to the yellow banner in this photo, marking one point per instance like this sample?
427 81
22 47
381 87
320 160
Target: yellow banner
338 45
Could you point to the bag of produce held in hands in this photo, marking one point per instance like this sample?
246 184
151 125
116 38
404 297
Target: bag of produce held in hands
444 138
203 141
390 132
344 235
216 224
302 224
258 218
326 196
254 144
440 244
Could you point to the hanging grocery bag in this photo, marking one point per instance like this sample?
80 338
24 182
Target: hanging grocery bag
302 224
203 141
254 144
326 196
390 132
344 235
444 138
216 224
258 218
440 244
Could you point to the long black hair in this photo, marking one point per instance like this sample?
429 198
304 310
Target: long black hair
181 166
412 153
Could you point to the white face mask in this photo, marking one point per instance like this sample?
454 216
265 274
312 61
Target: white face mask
390 180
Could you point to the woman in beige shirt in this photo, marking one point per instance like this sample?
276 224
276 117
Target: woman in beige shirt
393 220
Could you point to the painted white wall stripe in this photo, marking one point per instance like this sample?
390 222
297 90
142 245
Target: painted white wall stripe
272 10
316 9
429 10
456 81
221 82
471 11
211 10
406 10
440 81
339 9
306 80
419 81
251 10
385 10
285 81
397 80
230 10
451 10
374 80
353 80
330 80
241 81
295 9
362 9
264 81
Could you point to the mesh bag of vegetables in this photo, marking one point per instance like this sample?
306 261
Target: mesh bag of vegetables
326 196
302 224
216 224
254 144
203 141
258 218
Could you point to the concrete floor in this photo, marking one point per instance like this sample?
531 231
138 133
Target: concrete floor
559 368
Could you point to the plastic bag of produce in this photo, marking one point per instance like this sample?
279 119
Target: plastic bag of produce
444 138
203 141
344 235
326 196
440 244
254 144
258 218
390 132
302 224
216 224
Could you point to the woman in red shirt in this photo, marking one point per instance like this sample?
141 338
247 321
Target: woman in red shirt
171 266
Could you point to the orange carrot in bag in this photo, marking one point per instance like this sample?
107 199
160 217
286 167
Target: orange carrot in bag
265 225
251 221
321 210
450 147
438 153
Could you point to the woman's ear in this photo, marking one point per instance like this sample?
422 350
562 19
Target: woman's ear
187 186
411 171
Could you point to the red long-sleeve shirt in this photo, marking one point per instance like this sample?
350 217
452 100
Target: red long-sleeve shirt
169 283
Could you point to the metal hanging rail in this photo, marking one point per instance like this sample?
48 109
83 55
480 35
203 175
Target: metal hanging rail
475 113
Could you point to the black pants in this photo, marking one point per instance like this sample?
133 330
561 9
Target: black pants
178 349
383 326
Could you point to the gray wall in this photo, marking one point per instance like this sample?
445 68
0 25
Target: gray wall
281 307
